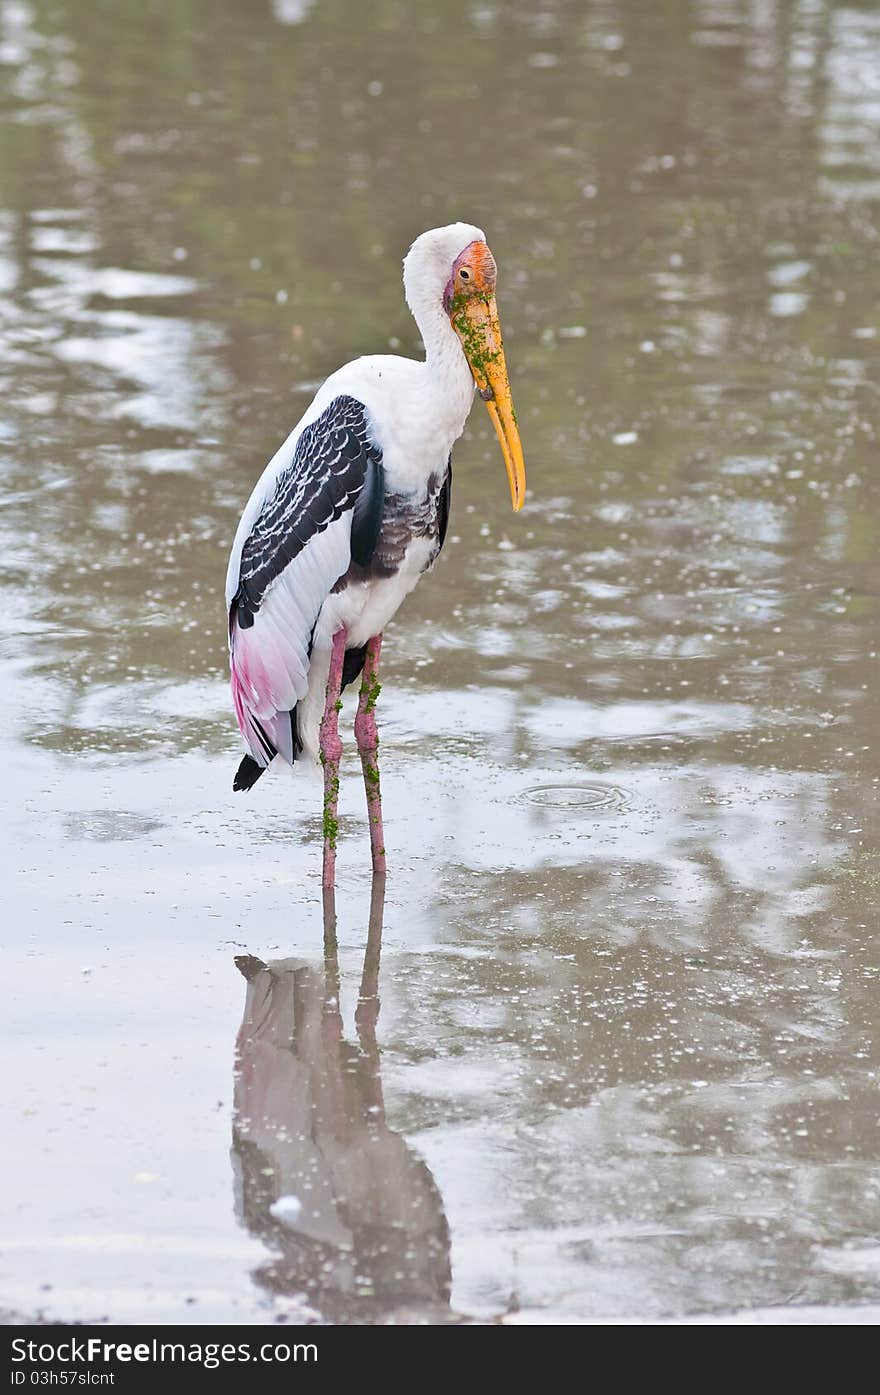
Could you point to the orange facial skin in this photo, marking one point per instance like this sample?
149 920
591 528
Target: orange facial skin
469 300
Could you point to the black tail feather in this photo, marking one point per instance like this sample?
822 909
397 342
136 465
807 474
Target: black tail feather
353 664
248 774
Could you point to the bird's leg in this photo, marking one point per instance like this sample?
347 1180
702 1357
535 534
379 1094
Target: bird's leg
331 752
367 738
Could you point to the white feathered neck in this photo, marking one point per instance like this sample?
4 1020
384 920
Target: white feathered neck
427 268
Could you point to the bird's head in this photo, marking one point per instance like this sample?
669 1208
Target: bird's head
455 265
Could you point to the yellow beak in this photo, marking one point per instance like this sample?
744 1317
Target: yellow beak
475 321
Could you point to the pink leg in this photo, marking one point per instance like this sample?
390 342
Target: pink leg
331 752
367 738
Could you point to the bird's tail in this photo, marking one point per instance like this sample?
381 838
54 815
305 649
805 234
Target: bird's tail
266 737
353 664
248 774
269 736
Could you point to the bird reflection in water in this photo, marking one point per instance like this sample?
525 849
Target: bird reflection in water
353 1216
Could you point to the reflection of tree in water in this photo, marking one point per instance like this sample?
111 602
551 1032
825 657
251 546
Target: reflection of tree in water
370 1234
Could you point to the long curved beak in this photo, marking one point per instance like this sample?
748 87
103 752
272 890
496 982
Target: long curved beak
477 325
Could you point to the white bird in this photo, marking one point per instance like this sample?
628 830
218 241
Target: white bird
349 513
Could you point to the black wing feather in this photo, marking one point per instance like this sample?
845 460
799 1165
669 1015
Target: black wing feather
335 466
367 518
444 503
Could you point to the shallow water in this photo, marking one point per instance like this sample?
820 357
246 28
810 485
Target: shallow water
625 1065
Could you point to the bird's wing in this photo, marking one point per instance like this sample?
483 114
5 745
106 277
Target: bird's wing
444 503
323 509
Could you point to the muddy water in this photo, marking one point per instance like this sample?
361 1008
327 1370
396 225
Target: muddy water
625 1058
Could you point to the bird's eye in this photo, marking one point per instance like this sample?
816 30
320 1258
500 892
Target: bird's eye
465 275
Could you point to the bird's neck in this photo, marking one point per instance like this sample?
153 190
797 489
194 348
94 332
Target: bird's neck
448 379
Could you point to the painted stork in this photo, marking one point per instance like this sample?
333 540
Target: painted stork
349 513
